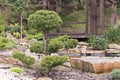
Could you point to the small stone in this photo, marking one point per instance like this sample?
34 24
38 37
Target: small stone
112 51
83 44
114 46
54 54
44 78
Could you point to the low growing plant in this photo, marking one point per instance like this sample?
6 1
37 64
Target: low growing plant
115 74
6 43
16 69
39 36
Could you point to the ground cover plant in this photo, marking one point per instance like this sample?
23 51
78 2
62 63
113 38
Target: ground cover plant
6 43
16 69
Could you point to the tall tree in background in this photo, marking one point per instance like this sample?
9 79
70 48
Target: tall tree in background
18 6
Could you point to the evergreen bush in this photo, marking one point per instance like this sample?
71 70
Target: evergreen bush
98 43
37 47
70 43
54 46
115 74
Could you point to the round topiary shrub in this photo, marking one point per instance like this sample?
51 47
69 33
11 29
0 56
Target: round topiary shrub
27 60
70 43
98 43
54 46
52 61
37 47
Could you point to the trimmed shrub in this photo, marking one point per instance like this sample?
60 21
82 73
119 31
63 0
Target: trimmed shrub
63 38
18 55
98 43
70 43
28 60
37 47
52 61
115 74
54 46
17 69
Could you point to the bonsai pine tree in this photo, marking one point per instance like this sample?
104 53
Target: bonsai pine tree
45 21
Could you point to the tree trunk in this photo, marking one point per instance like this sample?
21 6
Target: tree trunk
58 6
102 17
44 40
44 4
86 10
21 25
93 17
114 14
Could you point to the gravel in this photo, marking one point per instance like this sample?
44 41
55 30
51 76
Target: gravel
73 74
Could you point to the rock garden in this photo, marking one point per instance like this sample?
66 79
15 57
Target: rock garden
28 53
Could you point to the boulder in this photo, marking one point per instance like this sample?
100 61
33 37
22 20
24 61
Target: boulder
114 46
76 63
96 64
44 78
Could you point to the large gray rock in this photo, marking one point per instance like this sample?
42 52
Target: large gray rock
114 46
